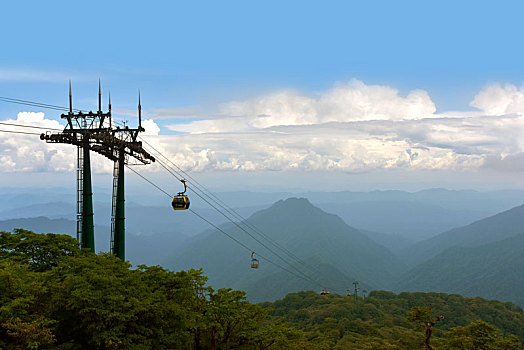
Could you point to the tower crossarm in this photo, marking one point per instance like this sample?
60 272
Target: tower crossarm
103 142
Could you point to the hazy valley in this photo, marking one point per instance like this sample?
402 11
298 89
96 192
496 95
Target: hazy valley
434 240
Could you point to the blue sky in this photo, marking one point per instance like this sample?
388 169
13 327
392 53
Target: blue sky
186 53
192 58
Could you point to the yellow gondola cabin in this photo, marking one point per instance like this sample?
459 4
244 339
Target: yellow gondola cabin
181 201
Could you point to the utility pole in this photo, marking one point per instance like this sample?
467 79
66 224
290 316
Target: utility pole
95 132
355 294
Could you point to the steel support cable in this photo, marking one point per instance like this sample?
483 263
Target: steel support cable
198 215
43 105
30 126
225 233
229 219
21 132
258 255
209 194
220 202
234 213
292 256
150 182
241 228
217 200
37 104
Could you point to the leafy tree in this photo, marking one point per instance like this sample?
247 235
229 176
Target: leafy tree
40 251
479 335
277 335
231 316
424 315
31 334
382 321
55 295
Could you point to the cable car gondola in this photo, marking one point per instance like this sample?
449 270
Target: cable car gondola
324 292
254 262
181 201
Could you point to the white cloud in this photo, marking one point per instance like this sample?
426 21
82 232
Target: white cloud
356 101
27 153
353 101
351 128
150 126
357 127
500 99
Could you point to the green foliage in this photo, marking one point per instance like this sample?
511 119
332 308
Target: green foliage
479 335
492 271
41 252
386 320
55 295
421 314
338 252
31 334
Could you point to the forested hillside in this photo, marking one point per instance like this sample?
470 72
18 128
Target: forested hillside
491 229
380 320
54 295
326 247
494 271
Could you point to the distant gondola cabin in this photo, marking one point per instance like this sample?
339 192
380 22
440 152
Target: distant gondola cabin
254 262
180 202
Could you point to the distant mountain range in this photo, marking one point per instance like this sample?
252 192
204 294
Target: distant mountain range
140 249
414 216
410 219
494 271
482 258
494 228
40 224
327 250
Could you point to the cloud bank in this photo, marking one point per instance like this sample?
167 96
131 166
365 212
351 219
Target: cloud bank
353 127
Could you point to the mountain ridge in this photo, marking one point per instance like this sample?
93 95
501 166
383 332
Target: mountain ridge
493 228
303 229
494 270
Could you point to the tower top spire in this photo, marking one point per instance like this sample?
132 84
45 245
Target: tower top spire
139 112
70 99
99 96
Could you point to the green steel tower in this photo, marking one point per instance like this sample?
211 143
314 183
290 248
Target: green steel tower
118 228
88 227
94 131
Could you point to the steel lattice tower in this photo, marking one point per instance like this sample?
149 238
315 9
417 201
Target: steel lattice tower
95 132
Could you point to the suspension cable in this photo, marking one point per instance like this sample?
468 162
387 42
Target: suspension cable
195 183
232 212
240 227
37 104
20 132
228 235
30 126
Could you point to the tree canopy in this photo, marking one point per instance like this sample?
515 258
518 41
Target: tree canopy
54 295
